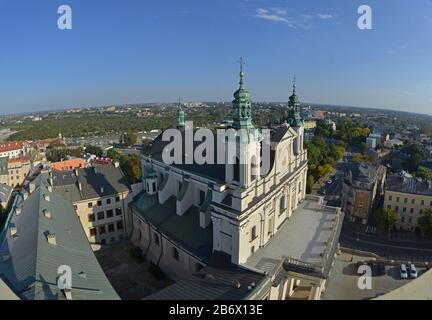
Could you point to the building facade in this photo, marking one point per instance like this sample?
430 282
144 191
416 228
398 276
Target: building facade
99 196
190 212
13 149
410 197
361 187
18 169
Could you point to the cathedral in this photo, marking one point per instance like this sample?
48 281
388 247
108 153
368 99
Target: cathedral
226 231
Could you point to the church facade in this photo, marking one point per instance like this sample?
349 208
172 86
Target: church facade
188 213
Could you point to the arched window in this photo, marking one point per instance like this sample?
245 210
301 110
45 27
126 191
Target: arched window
237 170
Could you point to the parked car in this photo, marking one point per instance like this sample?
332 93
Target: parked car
403 271
413 271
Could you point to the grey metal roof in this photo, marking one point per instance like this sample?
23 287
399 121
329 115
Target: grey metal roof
31 270
5 193
405 184
99 181
185 229
219 280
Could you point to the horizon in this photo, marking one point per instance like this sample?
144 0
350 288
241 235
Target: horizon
156 52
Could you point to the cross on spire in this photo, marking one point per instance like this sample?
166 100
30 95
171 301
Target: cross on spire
242 63
294 84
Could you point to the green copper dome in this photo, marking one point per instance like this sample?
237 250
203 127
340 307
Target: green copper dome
242 105
180 117
294 113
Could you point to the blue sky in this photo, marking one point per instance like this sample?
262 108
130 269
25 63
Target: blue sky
145 51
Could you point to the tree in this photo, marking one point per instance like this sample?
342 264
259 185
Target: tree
131 167
309 184
386 218
130 139
425 223
114 154
97 151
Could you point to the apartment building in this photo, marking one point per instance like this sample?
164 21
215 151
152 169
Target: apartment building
13 149
18 169
410 197
361 187
99 196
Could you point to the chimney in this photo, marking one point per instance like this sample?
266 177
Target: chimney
47 214
46 197
13 231
51 238
49 188
18 211
32 187
76 172
116 164
102 190
79 186
25 195
51 181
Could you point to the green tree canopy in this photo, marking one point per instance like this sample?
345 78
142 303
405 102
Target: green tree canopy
425 223
386 218
95 150
131 167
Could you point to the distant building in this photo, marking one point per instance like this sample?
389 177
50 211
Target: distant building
43 234
310 124
371 142
361 186
410 197
99 196
332 124
13 150
68 165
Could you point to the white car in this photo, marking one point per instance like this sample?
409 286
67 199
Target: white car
403 272
413 271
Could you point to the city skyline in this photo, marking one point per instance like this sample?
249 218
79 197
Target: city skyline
155 52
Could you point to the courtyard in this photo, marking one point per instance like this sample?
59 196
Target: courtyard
130 278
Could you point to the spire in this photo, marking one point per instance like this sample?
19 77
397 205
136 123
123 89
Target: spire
294 85
242 63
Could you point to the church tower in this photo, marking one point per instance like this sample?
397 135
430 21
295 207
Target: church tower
295 120
243 155
180 117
